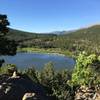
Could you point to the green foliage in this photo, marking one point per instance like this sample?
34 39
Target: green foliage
47 75
61 83
56 82
3 25
87 39
84 73
60 87
8 69
7 47
31 72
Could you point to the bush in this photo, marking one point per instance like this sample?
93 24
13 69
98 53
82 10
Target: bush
84 72
8 69
31 72
56 82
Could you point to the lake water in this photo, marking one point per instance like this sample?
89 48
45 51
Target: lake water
38 60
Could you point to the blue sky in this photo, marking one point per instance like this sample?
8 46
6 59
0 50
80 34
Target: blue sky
50 15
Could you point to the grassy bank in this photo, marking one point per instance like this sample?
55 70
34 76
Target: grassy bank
42 50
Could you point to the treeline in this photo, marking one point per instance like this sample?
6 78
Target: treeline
87 39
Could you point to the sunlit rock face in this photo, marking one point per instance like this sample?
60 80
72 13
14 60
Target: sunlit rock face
20 88
29 96
86 93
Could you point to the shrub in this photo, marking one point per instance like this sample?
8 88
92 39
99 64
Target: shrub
84 72
8 69
31 72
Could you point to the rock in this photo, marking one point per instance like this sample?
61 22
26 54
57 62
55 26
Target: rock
86 93
97 96
8 88
11 68
15 75
28 96
0 86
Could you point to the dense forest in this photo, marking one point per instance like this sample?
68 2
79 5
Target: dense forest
86 39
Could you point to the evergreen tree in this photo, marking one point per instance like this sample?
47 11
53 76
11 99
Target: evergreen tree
7 47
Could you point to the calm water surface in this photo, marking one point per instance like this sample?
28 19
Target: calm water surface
38 60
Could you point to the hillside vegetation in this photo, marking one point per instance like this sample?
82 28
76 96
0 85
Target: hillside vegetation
86 39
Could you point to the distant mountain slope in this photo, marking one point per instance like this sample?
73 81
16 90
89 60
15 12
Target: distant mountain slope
27 39
91 33
93 30
19 35
87 39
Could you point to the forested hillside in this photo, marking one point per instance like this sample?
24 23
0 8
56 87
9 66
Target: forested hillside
86 39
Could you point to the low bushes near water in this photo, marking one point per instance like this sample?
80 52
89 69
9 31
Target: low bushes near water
63 83
87 69
55 82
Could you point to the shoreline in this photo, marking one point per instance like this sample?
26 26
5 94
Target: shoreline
43 53
54 51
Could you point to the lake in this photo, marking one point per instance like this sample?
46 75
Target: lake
38 60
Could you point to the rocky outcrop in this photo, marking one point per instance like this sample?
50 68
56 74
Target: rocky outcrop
28 96
86 93
20 88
